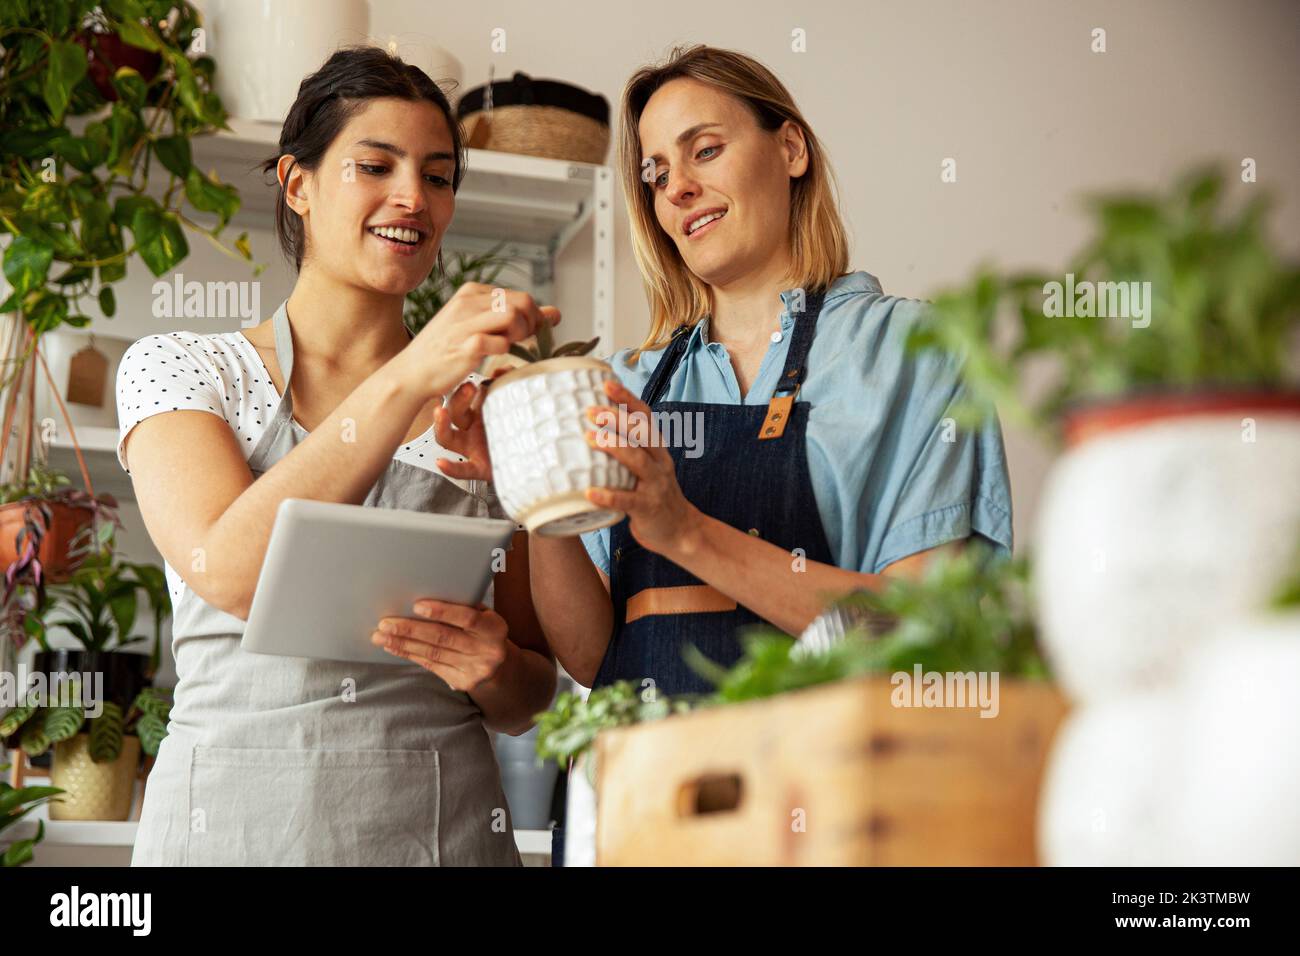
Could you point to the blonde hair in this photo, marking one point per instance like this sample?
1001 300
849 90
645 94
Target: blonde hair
819 246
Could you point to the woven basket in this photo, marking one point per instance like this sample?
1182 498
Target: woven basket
539 118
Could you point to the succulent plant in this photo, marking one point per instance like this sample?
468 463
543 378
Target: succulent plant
546 347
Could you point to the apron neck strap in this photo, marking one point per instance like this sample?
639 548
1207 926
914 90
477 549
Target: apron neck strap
796 361
284 345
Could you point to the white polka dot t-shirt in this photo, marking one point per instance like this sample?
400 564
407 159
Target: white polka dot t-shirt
222 374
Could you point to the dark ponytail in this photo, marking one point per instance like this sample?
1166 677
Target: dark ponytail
331 96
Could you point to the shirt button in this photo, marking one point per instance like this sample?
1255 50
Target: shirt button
776 336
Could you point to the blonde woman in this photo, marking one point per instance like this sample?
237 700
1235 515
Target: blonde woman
824 460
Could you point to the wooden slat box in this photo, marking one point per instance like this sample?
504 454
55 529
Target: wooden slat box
832 775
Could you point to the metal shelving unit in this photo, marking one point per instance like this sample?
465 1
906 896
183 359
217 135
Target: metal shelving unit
535 206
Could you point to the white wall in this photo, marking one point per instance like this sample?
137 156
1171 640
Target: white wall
1011 90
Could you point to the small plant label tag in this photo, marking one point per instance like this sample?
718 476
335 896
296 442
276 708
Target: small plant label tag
87 374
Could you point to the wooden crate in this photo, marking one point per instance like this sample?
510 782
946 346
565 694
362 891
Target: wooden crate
831 776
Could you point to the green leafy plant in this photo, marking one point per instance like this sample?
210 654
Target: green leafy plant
16 803
100 600
43 490
78 145
971 610
38 727
545 347
1224 307
569 728
427 299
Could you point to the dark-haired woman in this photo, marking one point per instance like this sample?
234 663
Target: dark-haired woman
282 760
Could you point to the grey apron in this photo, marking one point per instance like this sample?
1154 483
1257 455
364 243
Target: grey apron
292 761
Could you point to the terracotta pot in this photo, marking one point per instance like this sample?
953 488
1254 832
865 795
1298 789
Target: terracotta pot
1091 419
95 791
66 522
1154 528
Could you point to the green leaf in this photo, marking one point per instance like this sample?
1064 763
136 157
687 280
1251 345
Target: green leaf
48 202
107 301
136 34
174 153
15 719
27 263
125 130
85 153
126 207
31 143
63 723
34 742
106 733
159 239
130 86
66 67
242 247
208 196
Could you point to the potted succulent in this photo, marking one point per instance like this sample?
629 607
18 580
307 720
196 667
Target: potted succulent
16 803
1164 355
542 463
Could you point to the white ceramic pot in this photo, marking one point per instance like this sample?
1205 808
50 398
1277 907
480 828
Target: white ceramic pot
1109 783
1151 539
580 813
1240 800
263 50
541 462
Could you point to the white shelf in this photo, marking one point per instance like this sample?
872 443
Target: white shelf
534 204
99 447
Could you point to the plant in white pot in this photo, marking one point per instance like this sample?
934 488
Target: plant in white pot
1165 355
536 430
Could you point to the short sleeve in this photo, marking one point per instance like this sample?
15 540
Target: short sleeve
162 373
950 482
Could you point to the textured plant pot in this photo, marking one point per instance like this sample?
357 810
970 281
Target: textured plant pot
1240 753
66 522
94 791
1152 536
542 465
1109 784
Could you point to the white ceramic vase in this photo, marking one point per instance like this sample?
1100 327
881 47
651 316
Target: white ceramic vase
1152 538
263 50
1109 783
1239 744
541 462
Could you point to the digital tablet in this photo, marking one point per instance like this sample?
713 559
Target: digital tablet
333 570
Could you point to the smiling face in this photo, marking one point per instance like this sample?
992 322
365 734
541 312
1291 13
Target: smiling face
376 208
711 158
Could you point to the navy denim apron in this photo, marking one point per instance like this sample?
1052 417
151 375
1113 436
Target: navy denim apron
761 486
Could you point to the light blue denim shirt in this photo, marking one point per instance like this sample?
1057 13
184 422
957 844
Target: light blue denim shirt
886 482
